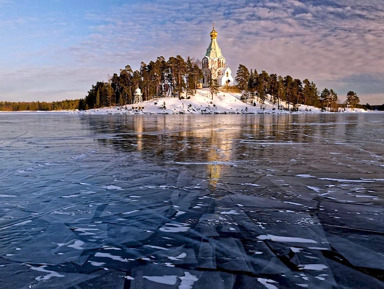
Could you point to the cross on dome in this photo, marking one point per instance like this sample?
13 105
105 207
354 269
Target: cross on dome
213 33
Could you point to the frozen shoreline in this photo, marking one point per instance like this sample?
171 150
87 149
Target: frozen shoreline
201 103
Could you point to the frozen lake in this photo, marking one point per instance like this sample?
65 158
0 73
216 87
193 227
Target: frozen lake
192 201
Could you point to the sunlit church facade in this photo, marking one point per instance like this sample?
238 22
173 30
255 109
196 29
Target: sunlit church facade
214 64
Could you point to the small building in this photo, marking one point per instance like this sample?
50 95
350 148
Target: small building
225 77
138 96
214 64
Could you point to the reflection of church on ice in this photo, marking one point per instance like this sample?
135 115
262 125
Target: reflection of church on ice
214 64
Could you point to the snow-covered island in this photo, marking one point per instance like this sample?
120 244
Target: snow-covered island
203 103
165 85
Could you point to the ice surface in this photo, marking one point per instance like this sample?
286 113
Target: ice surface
110 256
187 281
174 228
314 267
181 256
191 201
168 280
77 245
231 212
51 274
286 239
267 283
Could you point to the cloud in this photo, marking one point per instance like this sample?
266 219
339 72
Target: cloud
323 40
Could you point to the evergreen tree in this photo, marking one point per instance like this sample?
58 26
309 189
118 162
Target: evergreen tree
115 84
252 82
324 97
125 85
242 77
194 74
306 91
178 70
198 74
332 102
280 90
310 93
262 85
145 81
107 95
97 101
181 70
82 105
352 99
273 87
297 92
288 83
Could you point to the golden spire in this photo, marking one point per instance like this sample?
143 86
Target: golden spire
213 50
213 33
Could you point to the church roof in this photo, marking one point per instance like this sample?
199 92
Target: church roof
213 50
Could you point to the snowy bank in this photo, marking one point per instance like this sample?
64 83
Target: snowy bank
202 103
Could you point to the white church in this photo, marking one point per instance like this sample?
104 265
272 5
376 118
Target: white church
214 64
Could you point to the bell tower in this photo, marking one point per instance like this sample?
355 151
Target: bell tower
214 63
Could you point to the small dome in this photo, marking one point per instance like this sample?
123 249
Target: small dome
213 33
138 91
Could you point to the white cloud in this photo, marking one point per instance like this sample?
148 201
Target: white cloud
326 42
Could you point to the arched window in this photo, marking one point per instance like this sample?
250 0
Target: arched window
205 63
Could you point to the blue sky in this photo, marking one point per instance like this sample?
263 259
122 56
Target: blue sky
56 49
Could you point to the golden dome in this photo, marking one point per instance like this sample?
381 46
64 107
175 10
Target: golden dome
213 33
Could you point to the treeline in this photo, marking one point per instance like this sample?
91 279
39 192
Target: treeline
175 76
157 78
291 91
374 107
42 106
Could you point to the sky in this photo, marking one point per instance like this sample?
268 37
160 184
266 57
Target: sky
56 49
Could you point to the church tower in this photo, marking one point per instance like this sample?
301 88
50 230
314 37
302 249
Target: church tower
214 64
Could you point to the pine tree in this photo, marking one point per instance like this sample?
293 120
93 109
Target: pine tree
252 84
280 90
115 84
306 91
324 97
97 102
273 87
262 85
352 99
332 100
125 85
107 95
242 77
297 92
288 83
194 73
145 81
